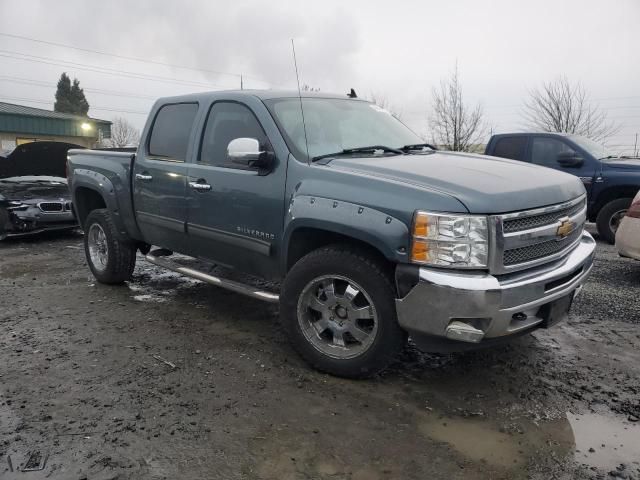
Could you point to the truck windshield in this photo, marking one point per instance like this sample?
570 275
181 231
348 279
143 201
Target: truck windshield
594 148
334 125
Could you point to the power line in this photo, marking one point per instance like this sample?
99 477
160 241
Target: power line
135 59
103 70
48 102
38 83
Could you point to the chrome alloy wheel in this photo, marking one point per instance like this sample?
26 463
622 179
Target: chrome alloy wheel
98 248
337 316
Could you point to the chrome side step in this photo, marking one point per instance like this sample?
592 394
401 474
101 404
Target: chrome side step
237 287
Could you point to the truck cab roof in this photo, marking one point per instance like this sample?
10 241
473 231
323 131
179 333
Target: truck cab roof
261 94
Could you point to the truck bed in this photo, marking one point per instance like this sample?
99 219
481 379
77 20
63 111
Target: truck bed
108 172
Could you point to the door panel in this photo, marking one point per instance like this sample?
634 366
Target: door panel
160 203
544 151
236 221
160 177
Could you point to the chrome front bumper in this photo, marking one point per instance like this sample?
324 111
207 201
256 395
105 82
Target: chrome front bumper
462 308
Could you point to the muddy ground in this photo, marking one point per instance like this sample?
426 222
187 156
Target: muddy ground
83 384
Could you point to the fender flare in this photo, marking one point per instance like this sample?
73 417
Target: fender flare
384 232
103 186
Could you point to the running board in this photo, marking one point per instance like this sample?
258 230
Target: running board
237 287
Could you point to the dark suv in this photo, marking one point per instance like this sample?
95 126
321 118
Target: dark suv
611 180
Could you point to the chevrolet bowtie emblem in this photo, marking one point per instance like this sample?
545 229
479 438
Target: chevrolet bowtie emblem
565 228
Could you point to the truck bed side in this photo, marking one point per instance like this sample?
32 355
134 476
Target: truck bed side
102 179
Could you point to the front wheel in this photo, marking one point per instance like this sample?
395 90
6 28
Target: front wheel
111 260
609 217
338 307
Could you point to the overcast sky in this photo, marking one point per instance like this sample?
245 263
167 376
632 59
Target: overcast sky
396 49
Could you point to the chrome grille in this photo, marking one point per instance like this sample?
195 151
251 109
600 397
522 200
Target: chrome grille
525 223
528 238
540 250
51 206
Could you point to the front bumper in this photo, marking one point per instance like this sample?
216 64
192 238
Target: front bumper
454 310
30 220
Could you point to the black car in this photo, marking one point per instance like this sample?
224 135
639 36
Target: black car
34 196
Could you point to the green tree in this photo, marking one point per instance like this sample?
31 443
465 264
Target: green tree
70 97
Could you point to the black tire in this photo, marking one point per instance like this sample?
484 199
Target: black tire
365 272
119 257
606 220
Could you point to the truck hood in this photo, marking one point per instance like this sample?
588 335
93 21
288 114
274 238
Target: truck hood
34 188
623 163
482 183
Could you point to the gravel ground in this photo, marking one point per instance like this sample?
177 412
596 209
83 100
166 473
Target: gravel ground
171 378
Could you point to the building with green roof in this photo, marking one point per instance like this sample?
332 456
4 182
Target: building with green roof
21 124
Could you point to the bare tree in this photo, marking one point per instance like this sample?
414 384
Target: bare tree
123 134
560 106
309 88
454 124
383 102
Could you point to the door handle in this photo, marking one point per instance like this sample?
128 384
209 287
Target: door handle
203 187
143 178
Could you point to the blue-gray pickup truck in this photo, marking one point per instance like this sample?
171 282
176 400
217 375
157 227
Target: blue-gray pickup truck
371 235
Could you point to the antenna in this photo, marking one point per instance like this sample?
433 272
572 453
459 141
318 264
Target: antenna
304 126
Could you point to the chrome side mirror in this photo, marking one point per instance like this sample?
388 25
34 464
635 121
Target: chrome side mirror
246 151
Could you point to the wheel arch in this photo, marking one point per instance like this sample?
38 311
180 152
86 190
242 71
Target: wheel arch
91 190
612 193
316 222
85 200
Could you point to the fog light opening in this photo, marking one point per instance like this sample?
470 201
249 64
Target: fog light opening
519 317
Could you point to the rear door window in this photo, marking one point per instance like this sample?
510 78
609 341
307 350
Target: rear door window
545 150
171 130
511 147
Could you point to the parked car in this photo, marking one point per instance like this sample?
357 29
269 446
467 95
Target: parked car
628 234
34 196
611 180
373 235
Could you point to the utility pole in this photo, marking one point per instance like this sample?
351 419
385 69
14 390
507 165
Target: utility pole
635 147
241 83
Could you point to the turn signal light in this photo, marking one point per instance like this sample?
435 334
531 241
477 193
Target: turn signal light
419 251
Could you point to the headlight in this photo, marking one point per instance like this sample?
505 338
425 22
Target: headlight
450 240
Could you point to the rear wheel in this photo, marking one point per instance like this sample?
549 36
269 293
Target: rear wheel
338 308
609 217
111 260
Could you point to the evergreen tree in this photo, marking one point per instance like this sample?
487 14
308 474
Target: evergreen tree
63 95
80 104
70 97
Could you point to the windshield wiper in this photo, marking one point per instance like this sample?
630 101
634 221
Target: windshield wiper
417 146
369 149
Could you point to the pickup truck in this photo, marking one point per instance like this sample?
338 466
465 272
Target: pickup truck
371 235
611 180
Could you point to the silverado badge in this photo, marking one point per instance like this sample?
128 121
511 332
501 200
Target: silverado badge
565 228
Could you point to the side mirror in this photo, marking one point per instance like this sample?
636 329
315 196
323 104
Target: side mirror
569 159
246 151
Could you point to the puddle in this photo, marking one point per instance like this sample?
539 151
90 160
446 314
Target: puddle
476 440
159 287
482 440
149 298
614 441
